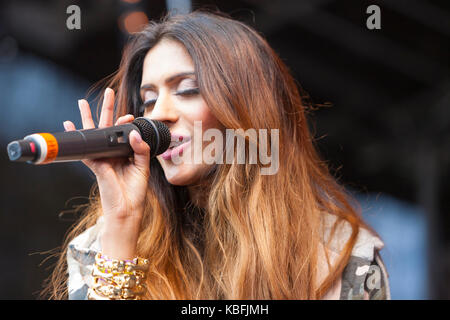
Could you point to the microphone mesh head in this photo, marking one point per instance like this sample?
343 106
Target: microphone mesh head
155 133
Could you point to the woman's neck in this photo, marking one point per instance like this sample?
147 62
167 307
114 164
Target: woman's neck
199 193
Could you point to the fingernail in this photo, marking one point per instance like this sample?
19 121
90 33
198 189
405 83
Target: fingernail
79 103
65 124
138 136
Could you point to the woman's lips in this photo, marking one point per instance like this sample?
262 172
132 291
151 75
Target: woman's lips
169 153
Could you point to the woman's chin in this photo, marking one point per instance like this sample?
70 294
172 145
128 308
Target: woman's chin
179 175
178 181
184 174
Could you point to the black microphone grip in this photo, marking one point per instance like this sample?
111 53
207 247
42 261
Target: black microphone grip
94 143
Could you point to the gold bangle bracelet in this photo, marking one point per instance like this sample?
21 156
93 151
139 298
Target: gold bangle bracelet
111 292
118 279
120 266
93 295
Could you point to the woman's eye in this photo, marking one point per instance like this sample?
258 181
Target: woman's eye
149 99
188 92
148 103
149 96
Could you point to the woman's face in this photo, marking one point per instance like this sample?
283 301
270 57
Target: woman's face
170 93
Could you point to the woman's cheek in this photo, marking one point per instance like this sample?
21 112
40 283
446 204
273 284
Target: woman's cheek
201 112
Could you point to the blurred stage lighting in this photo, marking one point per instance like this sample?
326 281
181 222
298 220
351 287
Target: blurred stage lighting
132 22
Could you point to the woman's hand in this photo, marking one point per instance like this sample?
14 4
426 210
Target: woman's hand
122 183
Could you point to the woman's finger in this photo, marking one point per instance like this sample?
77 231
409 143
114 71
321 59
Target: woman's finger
141 152
86 116
124 119
107 114
69 126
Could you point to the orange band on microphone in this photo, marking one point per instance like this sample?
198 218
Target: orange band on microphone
52 147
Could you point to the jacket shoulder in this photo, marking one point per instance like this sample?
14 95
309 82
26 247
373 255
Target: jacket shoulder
80 260
365 275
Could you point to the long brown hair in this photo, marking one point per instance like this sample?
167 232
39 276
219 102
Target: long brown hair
259 236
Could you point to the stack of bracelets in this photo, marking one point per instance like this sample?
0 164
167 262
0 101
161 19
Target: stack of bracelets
118 279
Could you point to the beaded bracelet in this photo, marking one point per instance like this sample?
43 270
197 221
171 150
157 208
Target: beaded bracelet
118 279
120 266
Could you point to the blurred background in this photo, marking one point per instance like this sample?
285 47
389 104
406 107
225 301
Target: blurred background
386 135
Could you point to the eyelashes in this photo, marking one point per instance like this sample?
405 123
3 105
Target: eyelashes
183 93
188 92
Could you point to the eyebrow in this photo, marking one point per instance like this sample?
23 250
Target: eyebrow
169 79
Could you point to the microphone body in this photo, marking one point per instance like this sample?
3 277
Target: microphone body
44 148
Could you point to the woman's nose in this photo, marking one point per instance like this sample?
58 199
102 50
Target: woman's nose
164 109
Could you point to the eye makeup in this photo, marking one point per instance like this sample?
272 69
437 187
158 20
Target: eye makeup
184 93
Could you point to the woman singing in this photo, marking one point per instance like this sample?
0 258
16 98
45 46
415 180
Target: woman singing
160 228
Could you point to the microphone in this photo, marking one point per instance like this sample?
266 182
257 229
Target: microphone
44 148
